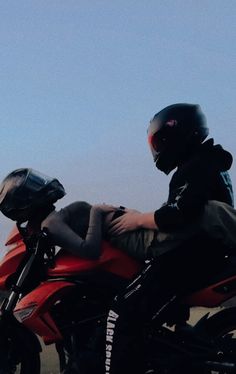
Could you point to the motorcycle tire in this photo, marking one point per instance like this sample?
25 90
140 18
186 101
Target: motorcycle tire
24 365
222 325
19 352
219 325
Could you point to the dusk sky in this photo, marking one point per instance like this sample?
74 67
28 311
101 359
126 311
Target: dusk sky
80 80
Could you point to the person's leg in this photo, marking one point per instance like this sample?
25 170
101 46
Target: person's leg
174 273
126 319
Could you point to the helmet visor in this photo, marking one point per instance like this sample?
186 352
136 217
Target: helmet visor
156 141
162 136
32 186
35 181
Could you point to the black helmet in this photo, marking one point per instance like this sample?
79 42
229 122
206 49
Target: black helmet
174 133
24 190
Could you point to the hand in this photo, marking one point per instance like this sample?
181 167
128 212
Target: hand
127 222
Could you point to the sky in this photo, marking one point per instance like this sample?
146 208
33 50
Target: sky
80 81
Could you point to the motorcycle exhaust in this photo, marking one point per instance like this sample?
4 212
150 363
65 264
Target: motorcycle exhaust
214 365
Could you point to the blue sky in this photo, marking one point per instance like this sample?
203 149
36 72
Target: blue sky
80 80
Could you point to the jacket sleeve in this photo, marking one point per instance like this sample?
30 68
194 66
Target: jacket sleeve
63 236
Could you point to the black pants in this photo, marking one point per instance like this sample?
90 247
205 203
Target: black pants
174 273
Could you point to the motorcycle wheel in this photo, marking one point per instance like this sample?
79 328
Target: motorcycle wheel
223 325
18 355
220 325
23 364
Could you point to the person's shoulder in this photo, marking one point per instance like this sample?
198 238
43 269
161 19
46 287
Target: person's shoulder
51 219
68 212
77 207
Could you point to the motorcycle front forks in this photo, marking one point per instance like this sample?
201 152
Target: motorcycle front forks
68 355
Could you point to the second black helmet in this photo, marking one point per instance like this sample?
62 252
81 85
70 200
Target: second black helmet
25 190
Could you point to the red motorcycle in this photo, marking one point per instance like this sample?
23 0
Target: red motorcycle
65 299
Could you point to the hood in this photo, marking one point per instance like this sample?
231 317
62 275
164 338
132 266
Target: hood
221 158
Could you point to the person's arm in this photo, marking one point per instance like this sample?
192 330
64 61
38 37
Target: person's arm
63 236
186 205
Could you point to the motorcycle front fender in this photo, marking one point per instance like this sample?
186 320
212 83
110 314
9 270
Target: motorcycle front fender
34 310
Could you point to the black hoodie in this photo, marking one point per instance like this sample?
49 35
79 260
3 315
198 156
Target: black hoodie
203 177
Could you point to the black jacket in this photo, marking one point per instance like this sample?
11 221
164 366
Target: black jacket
203 177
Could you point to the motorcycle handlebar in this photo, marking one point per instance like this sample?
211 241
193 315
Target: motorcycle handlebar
37 241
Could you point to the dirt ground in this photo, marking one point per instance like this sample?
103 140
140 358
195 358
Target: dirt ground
49 362
49 359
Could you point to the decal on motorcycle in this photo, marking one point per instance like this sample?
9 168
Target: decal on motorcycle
111 320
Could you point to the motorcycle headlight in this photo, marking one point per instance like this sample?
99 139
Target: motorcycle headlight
23 314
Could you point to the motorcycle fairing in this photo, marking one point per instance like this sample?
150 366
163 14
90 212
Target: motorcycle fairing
10 263
14 236
111 260
213 295
33 310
